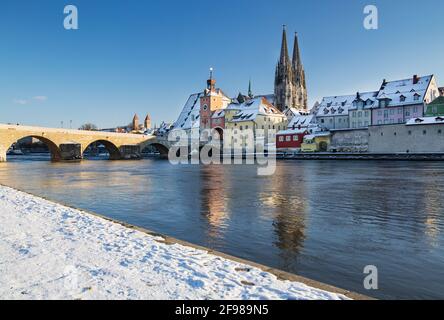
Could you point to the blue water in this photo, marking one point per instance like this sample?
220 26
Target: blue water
325 220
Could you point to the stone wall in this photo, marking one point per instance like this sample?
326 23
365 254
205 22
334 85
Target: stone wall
417 138
350 140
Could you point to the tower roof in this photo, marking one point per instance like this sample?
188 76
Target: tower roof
296 54
284 58
136 117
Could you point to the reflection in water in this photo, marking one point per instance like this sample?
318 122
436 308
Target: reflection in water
214 201
322 219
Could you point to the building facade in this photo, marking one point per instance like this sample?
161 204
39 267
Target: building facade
333 112
401 100
360 112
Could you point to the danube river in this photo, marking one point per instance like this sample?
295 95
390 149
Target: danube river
325 220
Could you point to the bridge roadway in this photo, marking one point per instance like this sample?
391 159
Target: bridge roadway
68 144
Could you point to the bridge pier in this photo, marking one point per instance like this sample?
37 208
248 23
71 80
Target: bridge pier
2 155
70 152
130 152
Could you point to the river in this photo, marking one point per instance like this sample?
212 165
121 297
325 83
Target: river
325 220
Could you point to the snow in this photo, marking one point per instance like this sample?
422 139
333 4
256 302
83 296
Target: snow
249 110
49 251
189 117
335 106
393 90
425 120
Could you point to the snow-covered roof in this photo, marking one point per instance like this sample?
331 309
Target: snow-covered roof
189 117
292 112
335 106
403 92
369 98
218 114
425 120
293 131
249 110
302 121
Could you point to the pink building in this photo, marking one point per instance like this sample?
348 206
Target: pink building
402 100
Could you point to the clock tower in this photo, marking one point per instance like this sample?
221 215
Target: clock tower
210 101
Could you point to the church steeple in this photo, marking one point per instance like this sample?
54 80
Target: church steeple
285 57
250 92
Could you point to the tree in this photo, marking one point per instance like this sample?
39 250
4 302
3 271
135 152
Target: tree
88 127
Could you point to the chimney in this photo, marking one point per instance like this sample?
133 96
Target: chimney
415 79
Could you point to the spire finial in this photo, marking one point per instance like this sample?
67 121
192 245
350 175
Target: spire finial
211 72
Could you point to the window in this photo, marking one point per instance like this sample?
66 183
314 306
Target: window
379 112
399 110
439 131
281 138
240 127
366 123
410 132
407 113
379 122
287 138
359 124
394 133
246 127
392 111
416 97
415 109
366 113
295 137
360 114
354 114
402 98
424 132
322 120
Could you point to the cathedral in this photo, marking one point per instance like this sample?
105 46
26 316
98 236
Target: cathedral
289 85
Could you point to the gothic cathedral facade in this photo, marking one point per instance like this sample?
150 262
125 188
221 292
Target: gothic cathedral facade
289 85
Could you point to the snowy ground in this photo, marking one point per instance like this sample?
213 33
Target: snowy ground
49 251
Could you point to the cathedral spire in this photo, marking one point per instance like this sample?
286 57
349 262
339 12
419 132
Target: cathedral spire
296 54
284 59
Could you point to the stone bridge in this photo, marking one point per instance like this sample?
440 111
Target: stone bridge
66 144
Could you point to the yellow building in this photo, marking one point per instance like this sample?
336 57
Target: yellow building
256 117
317 142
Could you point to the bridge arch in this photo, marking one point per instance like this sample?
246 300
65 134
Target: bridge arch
52 146
159 147
113 150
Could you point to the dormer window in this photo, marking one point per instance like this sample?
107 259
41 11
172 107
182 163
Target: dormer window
340 110
402 98
382 103
416 97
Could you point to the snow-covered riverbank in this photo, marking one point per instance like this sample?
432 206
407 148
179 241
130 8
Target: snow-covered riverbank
49 251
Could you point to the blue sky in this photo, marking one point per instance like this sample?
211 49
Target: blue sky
148 56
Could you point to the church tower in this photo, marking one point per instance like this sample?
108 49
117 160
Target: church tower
210 101
300 98
289 84
135 123
147 122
